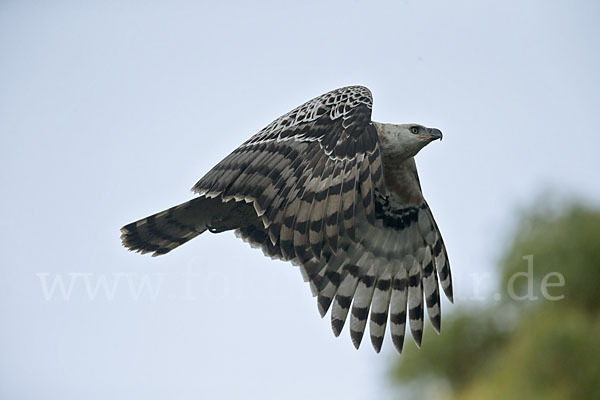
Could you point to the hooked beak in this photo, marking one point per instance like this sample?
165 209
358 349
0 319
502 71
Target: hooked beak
434 133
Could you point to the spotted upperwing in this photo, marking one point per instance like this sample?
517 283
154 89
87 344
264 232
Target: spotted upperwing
309 188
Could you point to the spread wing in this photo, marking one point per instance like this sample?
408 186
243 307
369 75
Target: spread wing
306 172
389 271
315 179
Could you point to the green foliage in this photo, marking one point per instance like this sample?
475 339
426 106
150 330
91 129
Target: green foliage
524 349
468 335
567 243
552 355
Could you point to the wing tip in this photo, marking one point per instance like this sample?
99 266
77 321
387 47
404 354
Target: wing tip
449 293
377 342
356 337
398 341
323 303
337 325
436 322
417 335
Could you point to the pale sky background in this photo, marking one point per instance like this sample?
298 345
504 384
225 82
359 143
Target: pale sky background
111 110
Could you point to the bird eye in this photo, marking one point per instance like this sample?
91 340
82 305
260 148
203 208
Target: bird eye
414 129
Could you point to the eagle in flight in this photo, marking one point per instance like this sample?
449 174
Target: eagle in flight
338 195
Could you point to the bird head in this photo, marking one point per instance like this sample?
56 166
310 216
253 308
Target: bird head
405 140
